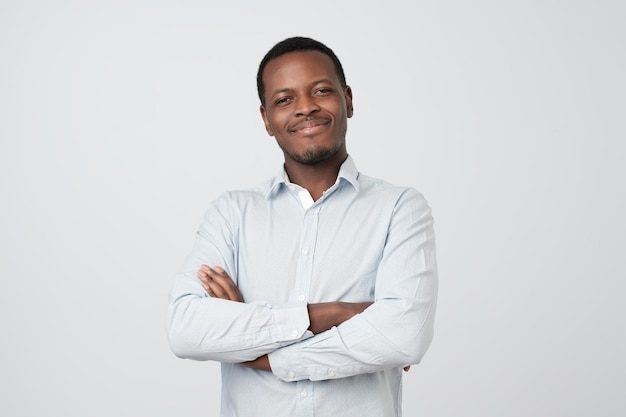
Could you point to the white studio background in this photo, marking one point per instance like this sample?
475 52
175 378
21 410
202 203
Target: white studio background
121 120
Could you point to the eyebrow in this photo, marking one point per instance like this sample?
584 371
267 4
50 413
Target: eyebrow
313 84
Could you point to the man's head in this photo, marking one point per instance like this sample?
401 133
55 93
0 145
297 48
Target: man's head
296 44
305 101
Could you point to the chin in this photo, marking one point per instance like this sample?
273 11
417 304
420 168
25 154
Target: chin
314 156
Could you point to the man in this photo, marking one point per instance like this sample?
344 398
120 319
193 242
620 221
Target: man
315 289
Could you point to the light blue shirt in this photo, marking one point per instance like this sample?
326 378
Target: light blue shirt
363 240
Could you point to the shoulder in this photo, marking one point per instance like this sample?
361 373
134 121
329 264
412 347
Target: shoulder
378 187
399 198
238 199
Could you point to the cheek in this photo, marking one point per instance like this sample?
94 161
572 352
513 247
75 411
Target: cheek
278 122
268 127
340 108
272 123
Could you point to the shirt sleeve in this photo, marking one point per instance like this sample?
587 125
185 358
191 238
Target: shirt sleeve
204 328
397 329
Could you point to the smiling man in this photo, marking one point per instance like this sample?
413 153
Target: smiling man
315 289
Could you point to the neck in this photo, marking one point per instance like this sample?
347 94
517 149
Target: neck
315 178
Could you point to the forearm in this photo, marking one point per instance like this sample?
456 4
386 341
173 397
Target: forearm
202 327
389 334
206 328
324 316
223 292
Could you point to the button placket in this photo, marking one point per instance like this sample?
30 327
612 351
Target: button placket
304 268
305 392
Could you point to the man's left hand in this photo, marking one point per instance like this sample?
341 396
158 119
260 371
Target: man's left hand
218 284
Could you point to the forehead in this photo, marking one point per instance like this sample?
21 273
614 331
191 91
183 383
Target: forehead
298 67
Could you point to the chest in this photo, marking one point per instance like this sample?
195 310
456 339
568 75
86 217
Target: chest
323 254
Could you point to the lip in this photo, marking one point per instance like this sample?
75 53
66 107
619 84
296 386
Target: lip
310 127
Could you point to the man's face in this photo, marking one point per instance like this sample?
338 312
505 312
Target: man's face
306 108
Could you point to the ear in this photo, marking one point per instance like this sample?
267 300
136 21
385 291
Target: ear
267 123
348 94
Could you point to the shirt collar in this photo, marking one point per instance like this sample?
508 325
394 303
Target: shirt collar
347 171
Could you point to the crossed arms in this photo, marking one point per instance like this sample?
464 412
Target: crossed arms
322 316
208 320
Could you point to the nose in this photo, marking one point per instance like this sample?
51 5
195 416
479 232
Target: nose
306 106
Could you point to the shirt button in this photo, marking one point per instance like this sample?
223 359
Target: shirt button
294 333
331 372
305 252
290 374
301 297
249 342
303 393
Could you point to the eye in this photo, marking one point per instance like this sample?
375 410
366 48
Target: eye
282 101
323 91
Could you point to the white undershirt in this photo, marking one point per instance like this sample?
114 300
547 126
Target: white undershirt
303 194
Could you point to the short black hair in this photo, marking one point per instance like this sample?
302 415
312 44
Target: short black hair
296 44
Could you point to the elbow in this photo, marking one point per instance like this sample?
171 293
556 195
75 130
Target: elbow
180 345
416 347
419 347
185 346
183 340
189 336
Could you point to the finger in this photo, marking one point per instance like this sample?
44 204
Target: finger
211 287
206 275
204 279
218 284
219 276
202 276
222 285
210 292
204 270
216 291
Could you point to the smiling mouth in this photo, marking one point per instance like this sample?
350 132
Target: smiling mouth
310 127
